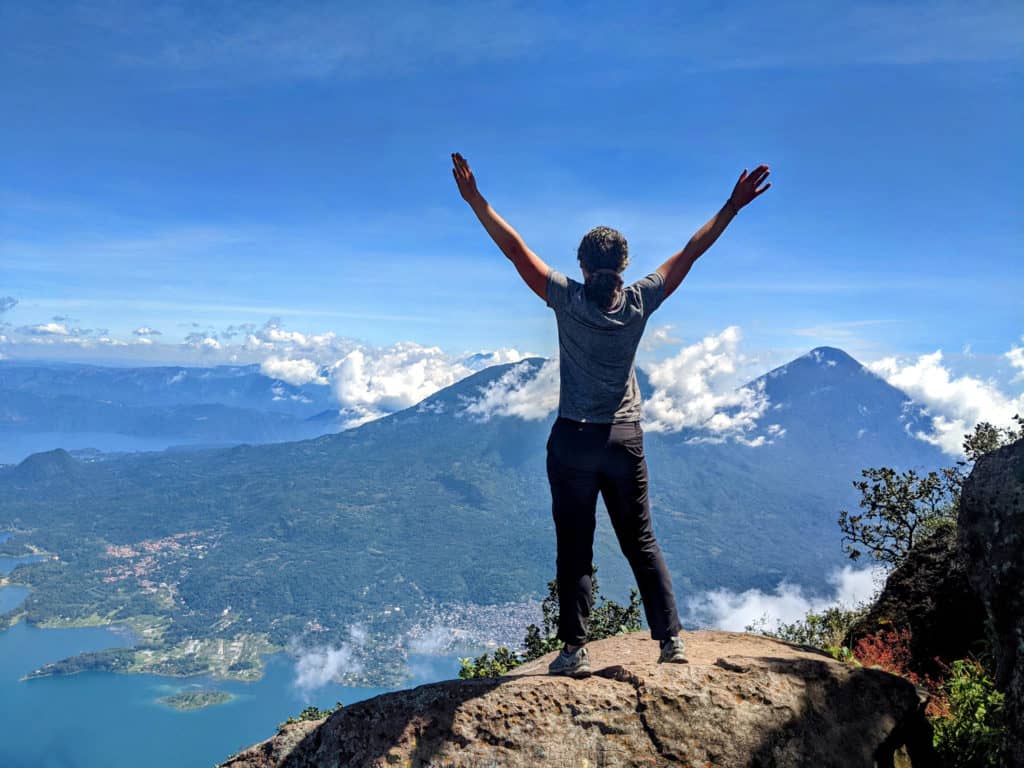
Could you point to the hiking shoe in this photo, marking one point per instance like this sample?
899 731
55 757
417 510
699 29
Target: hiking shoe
672 651
575 663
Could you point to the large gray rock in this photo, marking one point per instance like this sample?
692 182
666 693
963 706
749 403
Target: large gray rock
991 545
929 594
742 700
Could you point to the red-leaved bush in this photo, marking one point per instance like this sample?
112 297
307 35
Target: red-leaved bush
890 651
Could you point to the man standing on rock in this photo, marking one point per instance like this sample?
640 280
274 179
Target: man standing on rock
596 443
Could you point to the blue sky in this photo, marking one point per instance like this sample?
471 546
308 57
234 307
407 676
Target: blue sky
187 168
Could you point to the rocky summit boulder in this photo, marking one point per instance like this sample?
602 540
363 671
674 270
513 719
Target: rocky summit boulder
991 546
742 700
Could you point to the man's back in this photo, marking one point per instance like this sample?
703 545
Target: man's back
597 348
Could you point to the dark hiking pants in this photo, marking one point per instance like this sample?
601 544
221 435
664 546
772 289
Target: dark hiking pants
585 459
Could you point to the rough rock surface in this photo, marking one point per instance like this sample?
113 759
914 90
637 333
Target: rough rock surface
991 544
930 595
743 700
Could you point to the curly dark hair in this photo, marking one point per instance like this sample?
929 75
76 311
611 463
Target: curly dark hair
603 248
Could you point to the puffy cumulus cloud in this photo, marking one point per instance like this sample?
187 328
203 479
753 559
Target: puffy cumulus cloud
7 303
734 611
203 342
272 335
295 372
518 392
371 382
45 329
317 666
145 331
695 389
955 403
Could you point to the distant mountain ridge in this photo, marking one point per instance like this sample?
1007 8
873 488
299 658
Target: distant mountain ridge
435 505
46 405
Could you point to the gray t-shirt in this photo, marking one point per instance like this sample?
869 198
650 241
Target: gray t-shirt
596 348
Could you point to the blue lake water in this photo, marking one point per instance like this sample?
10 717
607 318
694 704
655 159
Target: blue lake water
106 720
8 564
12 597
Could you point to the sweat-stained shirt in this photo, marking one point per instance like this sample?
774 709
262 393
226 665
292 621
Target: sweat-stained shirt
597 348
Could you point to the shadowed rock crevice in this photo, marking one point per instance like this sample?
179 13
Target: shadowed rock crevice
741 700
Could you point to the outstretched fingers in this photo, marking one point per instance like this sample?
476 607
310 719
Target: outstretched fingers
755 179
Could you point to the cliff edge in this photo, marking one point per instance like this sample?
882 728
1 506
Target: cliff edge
742 700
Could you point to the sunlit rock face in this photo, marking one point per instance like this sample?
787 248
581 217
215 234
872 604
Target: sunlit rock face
741 700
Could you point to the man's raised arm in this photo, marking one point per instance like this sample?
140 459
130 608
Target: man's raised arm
677 266
530 266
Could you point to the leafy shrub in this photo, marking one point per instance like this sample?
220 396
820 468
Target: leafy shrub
825 630
891 651
970 735
311 713
607 618
489 665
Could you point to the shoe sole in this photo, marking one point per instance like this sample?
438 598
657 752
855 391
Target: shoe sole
578 672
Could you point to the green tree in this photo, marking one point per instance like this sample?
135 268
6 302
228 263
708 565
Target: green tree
901 508
607 618
987 437
898 509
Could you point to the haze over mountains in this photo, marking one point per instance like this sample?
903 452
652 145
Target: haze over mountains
445 502
115 409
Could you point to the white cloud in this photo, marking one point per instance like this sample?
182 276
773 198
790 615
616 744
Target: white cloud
1016 358
734 611
371 382
204 342
696 389
7 303
480 360
45 329
146 331
659 336
519 392
317 666
435 641
295 372
955 403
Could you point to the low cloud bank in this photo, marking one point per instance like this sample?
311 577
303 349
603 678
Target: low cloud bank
734 611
